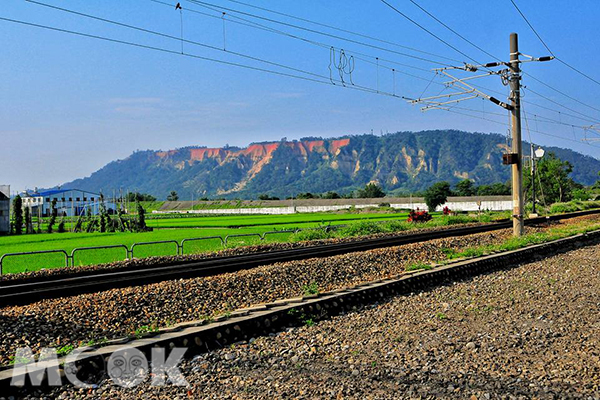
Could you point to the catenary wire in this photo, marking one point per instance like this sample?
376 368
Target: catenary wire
548 48
168 51
245 22
338 29
451 30
208 5
428 31
493 56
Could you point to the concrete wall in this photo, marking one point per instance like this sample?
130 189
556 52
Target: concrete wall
494 203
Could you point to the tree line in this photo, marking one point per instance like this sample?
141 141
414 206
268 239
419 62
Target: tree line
86 222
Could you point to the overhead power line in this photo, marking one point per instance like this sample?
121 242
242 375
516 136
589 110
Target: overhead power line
428 31
452 30
194 56
562 105
364 36
507 125
208 6
174 38
498 59
251 24
314 31
548 48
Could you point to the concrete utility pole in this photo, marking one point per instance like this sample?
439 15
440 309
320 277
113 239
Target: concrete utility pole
517 167
511 76
532 179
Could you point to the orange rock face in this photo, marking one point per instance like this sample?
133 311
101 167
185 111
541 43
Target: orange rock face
260 152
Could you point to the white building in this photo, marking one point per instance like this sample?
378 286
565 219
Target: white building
69 202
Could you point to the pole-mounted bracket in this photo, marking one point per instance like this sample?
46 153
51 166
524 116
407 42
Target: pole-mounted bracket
510 158
501 103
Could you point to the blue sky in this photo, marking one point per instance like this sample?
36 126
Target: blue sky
71 104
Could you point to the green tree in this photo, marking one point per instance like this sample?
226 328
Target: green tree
370 191
437 194
28 223
173 196
103 214
597 184
307 195
496 189
136 196
465 188
141 217
552 180
267 197
53 215
18 214
330 195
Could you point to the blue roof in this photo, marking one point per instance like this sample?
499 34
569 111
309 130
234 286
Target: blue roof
51 192
57 191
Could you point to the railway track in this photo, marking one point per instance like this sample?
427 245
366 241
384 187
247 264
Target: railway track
23 291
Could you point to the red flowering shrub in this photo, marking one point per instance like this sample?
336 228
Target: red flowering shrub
447 211
418 216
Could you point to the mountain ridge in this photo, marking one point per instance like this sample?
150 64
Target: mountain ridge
400 162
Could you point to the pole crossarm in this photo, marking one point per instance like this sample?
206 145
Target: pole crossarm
465 88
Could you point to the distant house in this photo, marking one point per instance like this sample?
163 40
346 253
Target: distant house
4 209
69 202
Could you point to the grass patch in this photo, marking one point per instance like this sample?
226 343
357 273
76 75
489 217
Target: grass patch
418 267
572 206
515 243
142 330
310 289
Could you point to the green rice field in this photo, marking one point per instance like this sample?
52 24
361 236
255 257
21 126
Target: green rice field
182 228
233 221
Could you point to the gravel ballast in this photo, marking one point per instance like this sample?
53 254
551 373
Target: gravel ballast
121 312
528 332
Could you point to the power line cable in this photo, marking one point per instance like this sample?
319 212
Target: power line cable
493 56
173 38
428 31
168 51
336 28
548 48
374 63
531 26
560 92
507 125
208 5
245 22
562 105
451 30
212 47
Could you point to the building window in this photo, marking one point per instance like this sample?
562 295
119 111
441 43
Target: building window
85 199
91 198
47 199
62 199
70 199
77 199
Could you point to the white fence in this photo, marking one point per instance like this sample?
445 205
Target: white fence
499 204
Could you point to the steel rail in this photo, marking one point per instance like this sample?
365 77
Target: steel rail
23 291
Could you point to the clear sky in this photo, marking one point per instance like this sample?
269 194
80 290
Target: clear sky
71 104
